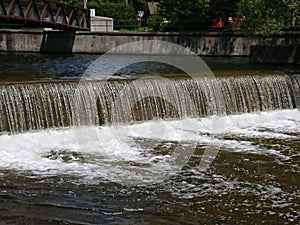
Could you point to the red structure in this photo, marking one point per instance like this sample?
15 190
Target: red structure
231 22
48 14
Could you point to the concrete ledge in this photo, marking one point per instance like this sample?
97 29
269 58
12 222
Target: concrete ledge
205 44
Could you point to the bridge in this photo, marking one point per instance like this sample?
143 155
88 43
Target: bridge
46 14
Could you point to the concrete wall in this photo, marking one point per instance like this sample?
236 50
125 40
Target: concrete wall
201 45
211 44
20 41
275 54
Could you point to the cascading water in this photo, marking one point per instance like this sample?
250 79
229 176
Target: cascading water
126 174
31 106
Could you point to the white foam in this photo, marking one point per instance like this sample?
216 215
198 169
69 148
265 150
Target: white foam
113 153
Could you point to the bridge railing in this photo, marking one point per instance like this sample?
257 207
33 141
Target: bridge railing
46 13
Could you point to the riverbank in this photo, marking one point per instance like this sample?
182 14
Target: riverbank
209 44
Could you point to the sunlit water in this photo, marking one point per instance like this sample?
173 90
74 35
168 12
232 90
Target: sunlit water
125 174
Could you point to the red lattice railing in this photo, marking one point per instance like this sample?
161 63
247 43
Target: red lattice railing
47 13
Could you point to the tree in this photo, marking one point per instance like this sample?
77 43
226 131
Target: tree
266 17
123 14
185 15
154 21
140 5
137 4
223 8
72 2
294 10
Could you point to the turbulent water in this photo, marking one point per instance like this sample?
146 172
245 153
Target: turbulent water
254 178
229 155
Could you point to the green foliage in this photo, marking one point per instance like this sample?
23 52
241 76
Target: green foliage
292 4
154 21
140 5
72 2
264 17
294 9
223 8
93 5
185 15
118 11
123 14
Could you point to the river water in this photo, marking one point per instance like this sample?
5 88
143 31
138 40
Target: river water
62 175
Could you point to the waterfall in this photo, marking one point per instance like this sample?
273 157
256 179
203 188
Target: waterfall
34 106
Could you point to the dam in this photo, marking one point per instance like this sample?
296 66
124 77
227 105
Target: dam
36 106
149 146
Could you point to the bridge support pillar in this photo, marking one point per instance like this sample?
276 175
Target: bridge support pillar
57 42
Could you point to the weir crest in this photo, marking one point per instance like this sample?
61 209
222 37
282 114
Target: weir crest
35 106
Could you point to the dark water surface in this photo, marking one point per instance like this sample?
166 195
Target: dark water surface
45 178
44 67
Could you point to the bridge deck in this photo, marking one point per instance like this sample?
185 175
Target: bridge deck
47 14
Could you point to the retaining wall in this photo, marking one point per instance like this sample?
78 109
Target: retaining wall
210 44
275 54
